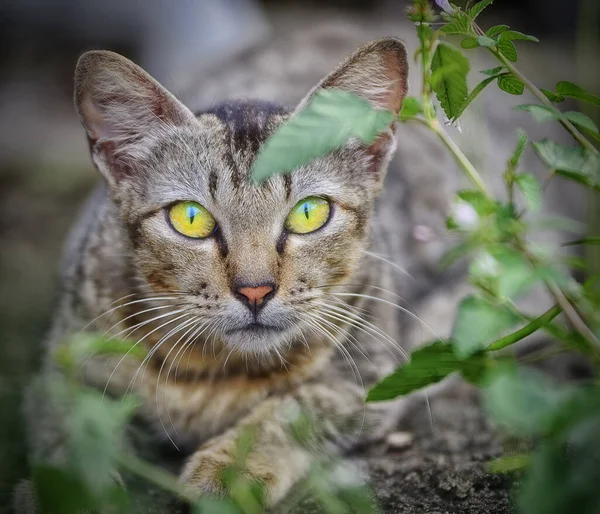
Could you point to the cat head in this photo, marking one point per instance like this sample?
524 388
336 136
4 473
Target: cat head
253 262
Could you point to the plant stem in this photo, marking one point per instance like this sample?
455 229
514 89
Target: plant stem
460 157
528 329
578 136
156 476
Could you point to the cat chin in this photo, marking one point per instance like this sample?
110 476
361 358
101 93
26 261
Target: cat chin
258 340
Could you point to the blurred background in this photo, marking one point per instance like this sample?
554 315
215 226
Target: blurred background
45 170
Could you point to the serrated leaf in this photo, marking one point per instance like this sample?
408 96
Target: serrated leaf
476 90
330 119
485 41
459 24
552 96
411 106
427 365
451 88
568 158
478 8
493 71
531 189
544 113
495 30
522 141
507 49
478 323
512 35
571 90
469 42
510 84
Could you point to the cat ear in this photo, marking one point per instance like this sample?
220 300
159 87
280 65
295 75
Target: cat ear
378 73
120 106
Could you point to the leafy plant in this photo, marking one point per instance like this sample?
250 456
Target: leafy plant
561 473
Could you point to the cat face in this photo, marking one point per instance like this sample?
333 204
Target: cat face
254 262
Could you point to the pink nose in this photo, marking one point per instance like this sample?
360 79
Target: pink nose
255 295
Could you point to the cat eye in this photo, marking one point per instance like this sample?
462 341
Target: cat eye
308 215
192 220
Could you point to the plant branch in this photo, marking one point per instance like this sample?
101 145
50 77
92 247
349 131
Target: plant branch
577 135
528 329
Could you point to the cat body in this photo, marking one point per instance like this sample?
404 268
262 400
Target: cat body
253 325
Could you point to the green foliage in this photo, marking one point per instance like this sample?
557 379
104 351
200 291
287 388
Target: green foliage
330 119
428 365
449 78
531 189
510 84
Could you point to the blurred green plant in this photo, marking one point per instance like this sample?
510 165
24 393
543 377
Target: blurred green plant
561 473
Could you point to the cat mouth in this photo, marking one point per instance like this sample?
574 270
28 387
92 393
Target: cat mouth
257 328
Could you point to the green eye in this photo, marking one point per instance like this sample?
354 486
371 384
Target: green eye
308 215
192 220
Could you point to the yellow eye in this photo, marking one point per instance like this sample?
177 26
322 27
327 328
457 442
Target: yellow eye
308 215
192 220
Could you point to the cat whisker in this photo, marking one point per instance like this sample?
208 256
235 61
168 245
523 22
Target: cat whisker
391 263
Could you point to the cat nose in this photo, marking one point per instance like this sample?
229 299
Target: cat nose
255 297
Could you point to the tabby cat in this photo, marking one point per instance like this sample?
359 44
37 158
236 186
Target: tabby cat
255 302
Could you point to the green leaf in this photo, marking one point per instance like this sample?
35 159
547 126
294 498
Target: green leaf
583 241
570 160
476 90
540 113
511 35
427 365
495 30
469 42
331 118
411 106
515 158
478 323
509 463
95 426
510 84
522 401
493 71
515 274
571 90
485 41
478 8
460 24
581 120
531 189
507 49
451 88
552 96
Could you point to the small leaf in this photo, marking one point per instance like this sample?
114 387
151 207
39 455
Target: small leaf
478 323
331 118
460 24
571 90
476 90
485 41
515 158
411 106
552 96
451 88
509 463
510 84
511 35
478 8
531 189
427 365
493 71
507 49
581 120
469 42
583 241
540 113
569 158
495 30
521 400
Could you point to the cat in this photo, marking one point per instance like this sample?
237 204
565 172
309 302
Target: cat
252 300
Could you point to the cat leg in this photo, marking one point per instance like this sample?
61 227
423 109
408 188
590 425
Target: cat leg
280 456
